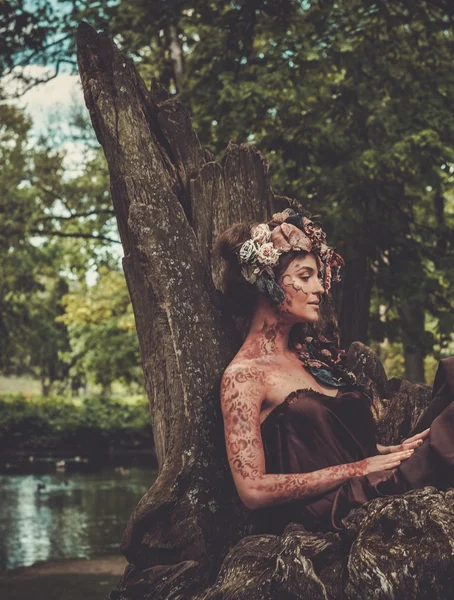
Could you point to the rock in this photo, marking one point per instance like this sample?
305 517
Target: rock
289 566
402 547
394 548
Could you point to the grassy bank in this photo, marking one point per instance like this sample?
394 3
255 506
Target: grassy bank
87 426
70 579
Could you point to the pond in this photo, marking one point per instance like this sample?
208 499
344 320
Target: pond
67 515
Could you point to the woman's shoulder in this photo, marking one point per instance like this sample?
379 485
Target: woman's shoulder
245 369
244 375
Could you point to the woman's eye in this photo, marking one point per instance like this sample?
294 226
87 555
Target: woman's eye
305 278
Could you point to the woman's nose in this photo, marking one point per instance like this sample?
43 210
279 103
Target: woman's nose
320 287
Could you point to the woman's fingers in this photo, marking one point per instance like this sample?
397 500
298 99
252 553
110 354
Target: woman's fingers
385 461
397 457
394 464
411 443
418 437
407 445
403 454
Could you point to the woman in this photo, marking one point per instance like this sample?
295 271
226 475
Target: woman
299 432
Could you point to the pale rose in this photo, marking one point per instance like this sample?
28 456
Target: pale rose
287 237
248 251
268 255
261 234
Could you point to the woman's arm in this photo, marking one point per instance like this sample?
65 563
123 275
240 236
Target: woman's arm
242 395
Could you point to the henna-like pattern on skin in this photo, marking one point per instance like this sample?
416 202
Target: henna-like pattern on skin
241 407
265 344
289 281
282 488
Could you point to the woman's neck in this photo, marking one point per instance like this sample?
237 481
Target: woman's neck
268 334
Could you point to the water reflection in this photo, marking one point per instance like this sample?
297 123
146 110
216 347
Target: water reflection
51 517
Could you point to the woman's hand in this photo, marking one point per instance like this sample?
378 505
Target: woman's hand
411 443
384 461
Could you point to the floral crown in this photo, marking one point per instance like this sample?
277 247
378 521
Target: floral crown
287 231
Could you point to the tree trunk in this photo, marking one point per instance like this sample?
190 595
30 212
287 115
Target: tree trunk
413 333
353 300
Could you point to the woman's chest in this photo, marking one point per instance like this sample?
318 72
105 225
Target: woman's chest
281 382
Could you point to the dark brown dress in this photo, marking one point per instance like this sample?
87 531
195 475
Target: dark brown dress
310 431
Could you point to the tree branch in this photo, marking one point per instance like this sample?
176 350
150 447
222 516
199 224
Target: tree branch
101 211
30 57
86 236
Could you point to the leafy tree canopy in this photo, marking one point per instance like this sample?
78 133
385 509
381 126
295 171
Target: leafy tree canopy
352 103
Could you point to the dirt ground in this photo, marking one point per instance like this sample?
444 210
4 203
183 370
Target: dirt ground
79 579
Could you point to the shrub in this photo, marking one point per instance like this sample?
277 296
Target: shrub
87 426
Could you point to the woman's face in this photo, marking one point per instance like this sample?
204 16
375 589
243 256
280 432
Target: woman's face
303 288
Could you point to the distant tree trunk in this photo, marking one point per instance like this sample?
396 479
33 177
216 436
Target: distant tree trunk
412 334
177 57
106 391
353 300
46 386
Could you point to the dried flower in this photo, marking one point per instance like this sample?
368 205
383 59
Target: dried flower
261 234
314 363
268 255
248 251
280 217
262 251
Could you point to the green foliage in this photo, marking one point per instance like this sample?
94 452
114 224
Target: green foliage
391 356
54 229
28 297
31 33
102 332
85 427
